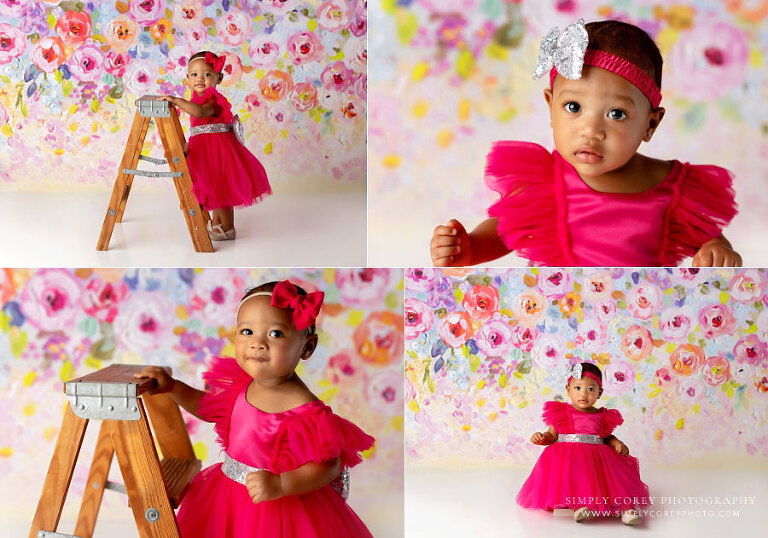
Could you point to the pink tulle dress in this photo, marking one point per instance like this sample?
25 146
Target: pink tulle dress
548 215
576 474
217 506
224 173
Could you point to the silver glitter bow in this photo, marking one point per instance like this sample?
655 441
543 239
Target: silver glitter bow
565 52
575 371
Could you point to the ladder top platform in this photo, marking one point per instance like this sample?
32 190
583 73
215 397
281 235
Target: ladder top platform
118 374
150 106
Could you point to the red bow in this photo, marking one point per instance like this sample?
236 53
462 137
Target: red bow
216 61
305 307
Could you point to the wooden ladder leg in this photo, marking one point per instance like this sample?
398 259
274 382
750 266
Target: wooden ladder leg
171 432
193 215
60 472
140 467
94 488
123 182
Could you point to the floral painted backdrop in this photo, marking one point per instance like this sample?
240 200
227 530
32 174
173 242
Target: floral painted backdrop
57 324
684 356
70 72
449 77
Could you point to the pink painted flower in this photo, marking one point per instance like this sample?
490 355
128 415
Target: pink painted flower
379 338
85 63
553 283
337 76
100 299
351 110
233 69
455 329
664 378
747 286
145 321
279 7
716 320
494 338
751 350
758 385
481 302
14 8
675 324
418 318
549 350
356 54
13 43
188 14
50 300
597 287
264 50
305 47
139 77
605 310
591 336
761 322
217 295
48 53
362 287
618 377
333 15
146 12
115 63
637 342
276 85
421 279
121 33
690 390
304 96
524 337
742 372
345 369
279 115
359 25
529 308
361 86
688 277
233 28
328 98
384 393
74 27
196 37
644 301
686 359
716 370
710 59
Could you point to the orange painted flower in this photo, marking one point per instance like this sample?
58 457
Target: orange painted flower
276 85
48 54
379 338
686 359
456 329
570 304
161 30
121 33
74 27
304 96
637 342
481 302
716 371
529 308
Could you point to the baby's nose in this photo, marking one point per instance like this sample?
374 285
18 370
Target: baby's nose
591 127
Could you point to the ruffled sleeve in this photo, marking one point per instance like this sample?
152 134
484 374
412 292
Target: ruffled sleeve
556 415
531 210
224 382
318 435
611 419
702 205
225 116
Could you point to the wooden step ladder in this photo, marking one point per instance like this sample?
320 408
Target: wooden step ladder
154 488
172 136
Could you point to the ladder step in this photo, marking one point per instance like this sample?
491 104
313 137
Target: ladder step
178 474
51 534
147 173
153 159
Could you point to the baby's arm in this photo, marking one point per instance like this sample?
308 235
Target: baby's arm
546 438
184 395
209 108
452 246
617 445
265 486
717 252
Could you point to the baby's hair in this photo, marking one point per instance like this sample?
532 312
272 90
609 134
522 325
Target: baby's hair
592 369
201 54
270 286
629 42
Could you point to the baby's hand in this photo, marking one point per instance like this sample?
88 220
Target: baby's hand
170 98
717 252
162 376
537 438
620 448
264 486
450 245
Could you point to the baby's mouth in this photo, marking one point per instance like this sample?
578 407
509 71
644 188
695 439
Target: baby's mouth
588 155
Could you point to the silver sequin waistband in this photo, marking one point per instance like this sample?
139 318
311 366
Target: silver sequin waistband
236 127
237 471
579 438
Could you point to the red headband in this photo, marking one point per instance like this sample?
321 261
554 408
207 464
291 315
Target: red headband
588 374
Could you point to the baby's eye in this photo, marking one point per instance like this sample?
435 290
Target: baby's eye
591 389
617 114
275 333
246 332
572 106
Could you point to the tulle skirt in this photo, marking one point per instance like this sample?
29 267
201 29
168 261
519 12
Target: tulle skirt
218 507
572 475
224 173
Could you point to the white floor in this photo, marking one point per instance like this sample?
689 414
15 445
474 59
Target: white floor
481 503
286 230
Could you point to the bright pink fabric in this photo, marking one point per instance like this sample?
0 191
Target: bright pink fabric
216 506
572 475
548 215
224 173
623 68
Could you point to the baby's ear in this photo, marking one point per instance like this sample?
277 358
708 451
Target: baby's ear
310 344
654 119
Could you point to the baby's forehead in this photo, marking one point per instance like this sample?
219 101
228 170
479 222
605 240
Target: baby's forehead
585 381
198 64
259 308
